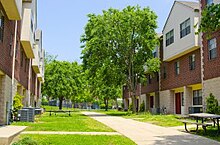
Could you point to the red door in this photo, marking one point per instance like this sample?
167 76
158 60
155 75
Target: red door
151 101
178 103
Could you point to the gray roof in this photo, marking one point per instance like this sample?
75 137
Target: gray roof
194 5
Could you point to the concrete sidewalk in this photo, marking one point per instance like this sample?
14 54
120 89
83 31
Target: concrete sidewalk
148 134
8 133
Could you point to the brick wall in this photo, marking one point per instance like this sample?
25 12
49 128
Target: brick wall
186 76
151 87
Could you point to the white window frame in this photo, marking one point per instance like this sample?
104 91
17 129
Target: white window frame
169 37
212 46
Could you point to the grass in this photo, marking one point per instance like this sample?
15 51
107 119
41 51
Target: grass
64 122
79 139
211 133
161 120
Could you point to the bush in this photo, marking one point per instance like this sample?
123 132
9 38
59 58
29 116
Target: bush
130 106
17 104
212 105
142 107
44 101
102 106
26 141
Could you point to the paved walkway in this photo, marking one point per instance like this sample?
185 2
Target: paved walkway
147 134
63 132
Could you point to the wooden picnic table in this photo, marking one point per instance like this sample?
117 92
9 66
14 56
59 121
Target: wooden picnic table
202 116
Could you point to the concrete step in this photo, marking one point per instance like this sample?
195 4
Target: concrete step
8 133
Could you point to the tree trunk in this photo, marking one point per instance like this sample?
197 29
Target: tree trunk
106 104
60 103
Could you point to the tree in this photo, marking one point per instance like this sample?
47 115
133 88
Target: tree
122 42
210 21
62 79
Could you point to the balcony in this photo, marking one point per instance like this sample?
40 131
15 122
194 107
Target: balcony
36 61
13 9
27 35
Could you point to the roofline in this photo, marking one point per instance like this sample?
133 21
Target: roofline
172 10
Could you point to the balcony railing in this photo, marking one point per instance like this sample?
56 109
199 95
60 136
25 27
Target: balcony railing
27 34
13 9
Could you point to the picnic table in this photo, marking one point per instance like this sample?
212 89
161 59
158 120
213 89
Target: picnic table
59 111
203 117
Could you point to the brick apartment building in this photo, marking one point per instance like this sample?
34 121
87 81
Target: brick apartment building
21 55
211 59
190 68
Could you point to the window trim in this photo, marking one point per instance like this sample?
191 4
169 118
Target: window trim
197 91
185 29
192 62
177 67
168 39
211 49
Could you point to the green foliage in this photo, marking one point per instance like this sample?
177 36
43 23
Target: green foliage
102 106
142 107
212 105
64 80
17 104
210 19
130 108
26 141
44 101
116 46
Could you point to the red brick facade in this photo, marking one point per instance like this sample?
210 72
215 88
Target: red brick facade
185 77
6 55
152 84
211 67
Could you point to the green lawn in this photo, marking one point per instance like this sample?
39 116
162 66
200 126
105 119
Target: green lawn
80 139
64 122
161 120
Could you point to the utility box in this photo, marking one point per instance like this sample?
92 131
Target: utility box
31 113
23 115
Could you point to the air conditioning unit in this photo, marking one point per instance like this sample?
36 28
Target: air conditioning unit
195 110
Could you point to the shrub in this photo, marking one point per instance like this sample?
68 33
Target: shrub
212 104
44 101
102 106
142 107
130 107
17 104
26 141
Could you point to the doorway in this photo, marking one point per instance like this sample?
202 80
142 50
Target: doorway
178 103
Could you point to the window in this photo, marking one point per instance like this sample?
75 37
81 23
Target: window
149 79
182 97
1 27
169 37
164 72
192 62
16 51
197 97
22 58
177 67
185 28
212 48
209 2
10 45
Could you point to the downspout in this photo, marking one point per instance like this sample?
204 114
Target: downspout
29 83
13 73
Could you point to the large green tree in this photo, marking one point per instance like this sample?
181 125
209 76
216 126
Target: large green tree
210 21
62 80
118 44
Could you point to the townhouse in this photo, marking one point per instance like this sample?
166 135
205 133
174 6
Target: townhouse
180 72
21 55
211 59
